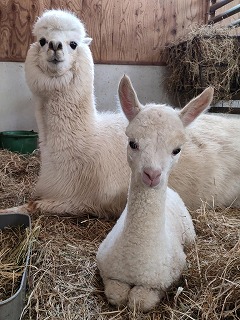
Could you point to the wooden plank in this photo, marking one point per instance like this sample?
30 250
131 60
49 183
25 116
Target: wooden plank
183 16
123 32
117 34
137 31
16 20
90 14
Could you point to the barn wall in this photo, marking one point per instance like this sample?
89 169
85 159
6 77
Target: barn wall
128 37
123 32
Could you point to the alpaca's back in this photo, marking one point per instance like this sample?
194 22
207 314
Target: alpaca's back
210 161
178 220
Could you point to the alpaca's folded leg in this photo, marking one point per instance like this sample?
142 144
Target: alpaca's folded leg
20 209
116 292
144 299
52 206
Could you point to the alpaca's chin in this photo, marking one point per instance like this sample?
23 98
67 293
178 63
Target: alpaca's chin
45 79
55 68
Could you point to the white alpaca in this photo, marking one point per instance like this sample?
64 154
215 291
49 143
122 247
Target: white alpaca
82 169
209 167
144 255
84 166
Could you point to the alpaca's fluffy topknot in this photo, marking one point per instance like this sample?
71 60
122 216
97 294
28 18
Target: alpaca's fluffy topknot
60 21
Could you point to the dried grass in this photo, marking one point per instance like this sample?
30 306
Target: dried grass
18 175
207 55
64 282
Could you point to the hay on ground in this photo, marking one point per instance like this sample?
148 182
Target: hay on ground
64 282
18 176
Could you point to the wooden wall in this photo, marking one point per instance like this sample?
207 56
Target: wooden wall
123 31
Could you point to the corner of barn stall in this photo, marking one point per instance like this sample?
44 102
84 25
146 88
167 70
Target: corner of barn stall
146 40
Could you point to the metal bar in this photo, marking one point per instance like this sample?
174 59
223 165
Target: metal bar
234 24
229 110
225 14
218 5
212 14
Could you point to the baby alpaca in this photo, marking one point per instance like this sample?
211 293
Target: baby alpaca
144 255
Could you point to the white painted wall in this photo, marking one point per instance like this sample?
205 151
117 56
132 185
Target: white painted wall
16 106
17 103
148 82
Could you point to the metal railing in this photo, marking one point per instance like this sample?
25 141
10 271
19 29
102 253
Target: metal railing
215 5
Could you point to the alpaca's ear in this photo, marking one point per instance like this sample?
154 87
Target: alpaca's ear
196 106
128 98
87 40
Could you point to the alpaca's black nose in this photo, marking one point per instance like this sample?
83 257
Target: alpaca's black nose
55 45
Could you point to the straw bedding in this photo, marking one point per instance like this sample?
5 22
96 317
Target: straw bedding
63 278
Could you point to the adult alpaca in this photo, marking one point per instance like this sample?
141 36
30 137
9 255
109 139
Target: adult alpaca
84 167
81 169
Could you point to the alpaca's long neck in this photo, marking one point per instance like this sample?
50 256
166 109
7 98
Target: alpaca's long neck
69 92
70 105
146 210
66 117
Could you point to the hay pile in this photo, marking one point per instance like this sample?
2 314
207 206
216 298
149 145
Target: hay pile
64 282
18 175
207 55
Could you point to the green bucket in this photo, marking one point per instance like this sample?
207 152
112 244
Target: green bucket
19 141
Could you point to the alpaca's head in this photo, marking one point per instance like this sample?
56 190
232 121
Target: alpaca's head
61 50
156 133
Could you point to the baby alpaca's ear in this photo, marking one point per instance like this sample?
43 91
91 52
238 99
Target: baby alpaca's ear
196 106
128 98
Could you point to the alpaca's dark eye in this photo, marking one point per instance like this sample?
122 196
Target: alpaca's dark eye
176 151
133 145
42 41
73 45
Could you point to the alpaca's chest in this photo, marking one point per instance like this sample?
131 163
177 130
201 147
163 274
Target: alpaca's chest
149 266
144 261
147 257
64 117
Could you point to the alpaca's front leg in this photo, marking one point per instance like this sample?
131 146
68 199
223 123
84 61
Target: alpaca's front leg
144 299
116 292
20 209
54 207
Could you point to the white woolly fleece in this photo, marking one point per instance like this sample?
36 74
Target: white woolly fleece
59 20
